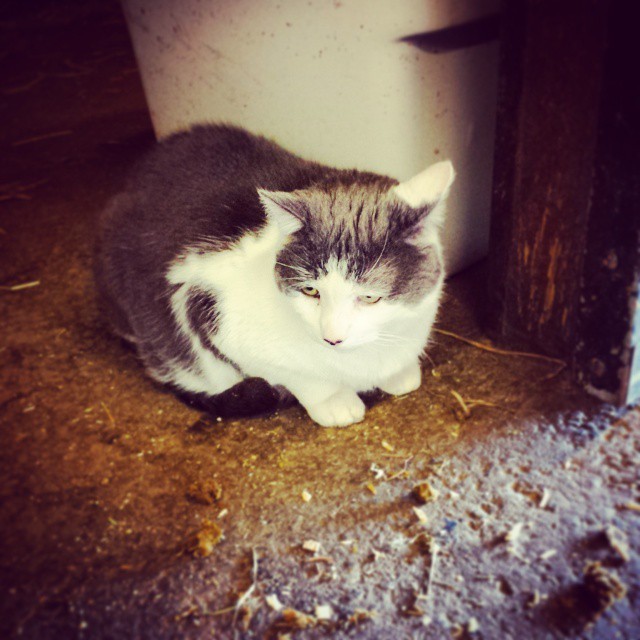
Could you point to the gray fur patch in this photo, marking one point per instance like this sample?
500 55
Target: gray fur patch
202 316
359 225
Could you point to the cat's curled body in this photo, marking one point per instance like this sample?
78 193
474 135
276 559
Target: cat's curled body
227 257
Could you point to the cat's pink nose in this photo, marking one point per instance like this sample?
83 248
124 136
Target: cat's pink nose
332 342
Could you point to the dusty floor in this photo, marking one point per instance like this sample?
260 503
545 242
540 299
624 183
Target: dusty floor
106 480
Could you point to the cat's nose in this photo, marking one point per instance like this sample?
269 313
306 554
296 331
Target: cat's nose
332 342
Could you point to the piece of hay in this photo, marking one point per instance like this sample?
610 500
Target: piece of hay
618 541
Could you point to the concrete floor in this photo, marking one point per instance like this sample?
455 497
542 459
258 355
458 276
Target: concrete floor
113 493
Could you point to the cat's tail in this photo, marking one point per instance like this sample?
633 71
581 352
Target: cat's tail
250 398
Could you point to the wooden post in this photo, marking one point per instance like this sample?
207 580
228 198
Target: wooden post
565 230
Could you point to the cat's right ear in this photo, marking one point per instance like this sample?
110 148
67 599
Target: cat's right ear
284 209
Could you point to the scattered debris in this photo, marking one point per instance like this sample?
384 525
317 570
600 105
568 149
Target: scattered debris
425 493
240 605
466 412
306 496
311 545
378 471
323 612
473 626
603 587
320 559
631 506
274 602
618 541
372 488
514 533
223 513
421 515
502 352
449 525
205 492
547 555
293 619
534 600
544 501
207 538
387 446
361 615
424 542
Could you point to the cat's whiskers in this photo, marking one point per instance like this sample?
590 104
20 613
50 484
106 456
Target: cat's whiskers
290 266
392 339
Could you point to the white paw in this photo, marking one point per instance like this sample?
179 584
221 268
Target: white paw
403 382
339 410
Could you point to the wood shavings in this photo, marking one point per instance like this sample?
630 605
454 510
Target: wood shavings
378 471
631 506
205 492
618 541
323 612
534 600
320 560
473 626
305 495
421 515
209 535
514 533
424 492
311 545
273 602
294 620
544 500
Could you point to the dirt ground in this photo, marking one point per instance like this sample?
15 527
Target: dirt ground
126 514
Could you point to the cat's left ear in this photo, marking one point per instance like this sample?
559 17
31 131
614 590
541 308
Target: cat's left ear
428 191
284 209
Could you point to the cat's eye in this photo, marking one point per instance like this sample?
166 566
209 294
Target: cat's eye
312 292
370 299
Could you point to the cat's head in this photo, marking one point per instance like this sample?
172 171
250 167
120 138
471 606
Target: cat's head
360 253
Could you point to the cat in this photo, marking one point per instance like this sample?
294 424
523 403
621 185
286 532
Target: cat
229 259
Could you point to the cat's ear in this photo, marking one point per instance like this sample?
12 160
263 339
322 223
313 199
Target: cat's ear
284 209
428 191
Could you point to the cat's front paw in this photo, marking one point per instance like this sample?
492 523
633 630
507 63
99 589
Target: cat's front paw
339 410
403 382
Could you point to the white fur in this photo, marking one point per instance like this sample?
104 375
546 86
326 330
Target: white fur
282 338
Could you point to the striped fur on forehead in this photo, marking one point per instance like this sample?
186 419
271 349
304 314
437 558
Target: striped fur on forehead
363 230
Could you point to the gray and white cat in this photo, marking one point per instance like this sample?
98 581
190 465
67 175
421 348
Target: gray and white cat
229 258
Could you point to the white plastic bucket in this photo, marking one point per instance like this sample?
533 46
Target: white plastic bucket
334 82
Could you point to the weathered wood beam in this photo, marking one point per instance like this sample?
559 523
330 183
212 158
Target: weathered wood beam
565 186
